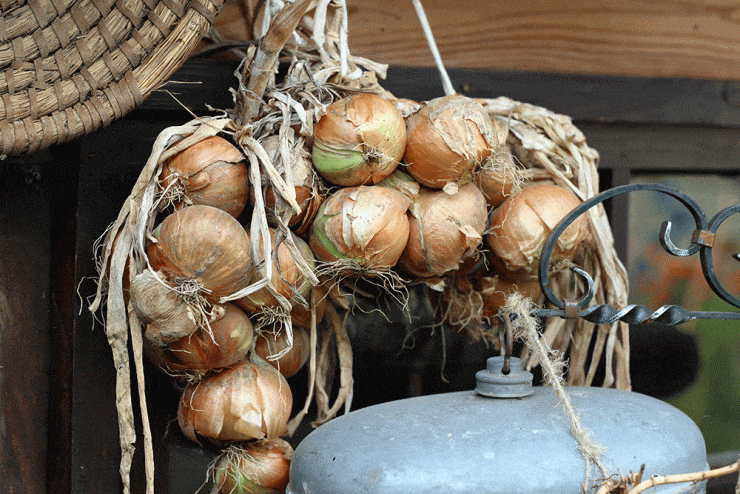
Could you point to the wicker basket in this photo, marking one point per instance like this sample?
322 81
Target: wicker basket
70 67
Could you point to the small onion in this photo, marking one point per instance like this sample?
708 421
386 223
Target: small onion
249 400
206 245
520 226
160 306
272 341
500 177
211 172
258 467
447 139
225 342
444 230
495 289
360 140
305 182
286 276
367 224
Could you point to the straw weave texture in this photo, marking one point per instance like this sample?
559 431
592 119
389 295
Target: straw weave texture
70 67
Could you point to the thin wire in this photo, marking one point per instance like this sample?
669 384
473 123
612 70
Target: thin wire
446 83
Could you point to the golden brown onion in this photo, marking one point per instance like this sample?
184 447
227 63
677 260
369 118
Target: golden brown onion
367 224
495 289
211 172
225 342
360 140
443 230
500 177
249 400
520 226
206 245
275 339
447 139
286 276
160 306
256 467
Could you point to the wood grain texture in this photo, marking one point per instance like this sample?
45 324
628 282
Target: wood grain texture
663 38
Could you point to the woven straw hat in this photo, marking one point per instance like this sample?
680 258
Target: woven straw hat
70 67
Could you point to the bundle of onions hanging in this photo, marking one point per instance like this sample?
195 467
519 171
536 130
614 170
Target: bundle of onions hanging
203 246
273 341
256 467
248 400
364 226
211 172
448 138
359 141
224 342
309 193
520 226
444 230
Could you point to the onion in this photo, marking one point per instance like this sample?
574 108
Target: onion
367 224
520 226
211 172
249 400
500 177
360 140
447 139
159 306
259 467
495 289
305 182
286 276
225 342
205 245
444 230
271 342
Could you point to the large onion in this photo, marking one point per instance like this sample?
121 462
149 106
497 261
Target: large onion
367 224
520 226
205 245
249 400
444 230
286 276
225 342
274 340
360 140
257 467
211 172
447 139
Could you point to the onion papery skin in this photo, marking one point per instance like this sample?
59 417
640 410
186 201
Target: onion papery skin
248 400
446 141
227 342
444 230
204 244
499 178
212 172
305 181
285 273
520 226
260 467
272 341
359 141
367 224
160 307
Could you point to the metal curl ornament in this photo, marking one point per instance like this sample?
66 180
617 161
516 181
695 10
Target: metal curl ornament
702 242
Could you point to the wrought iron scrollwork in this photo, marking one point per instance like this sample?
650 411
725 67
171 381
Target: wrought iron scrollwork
702 241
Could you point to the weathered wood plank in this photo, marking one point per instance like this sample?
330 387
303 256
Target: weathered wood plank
664 38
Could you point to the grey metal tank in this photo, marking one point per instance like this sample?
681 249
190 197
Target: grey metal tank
475 442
